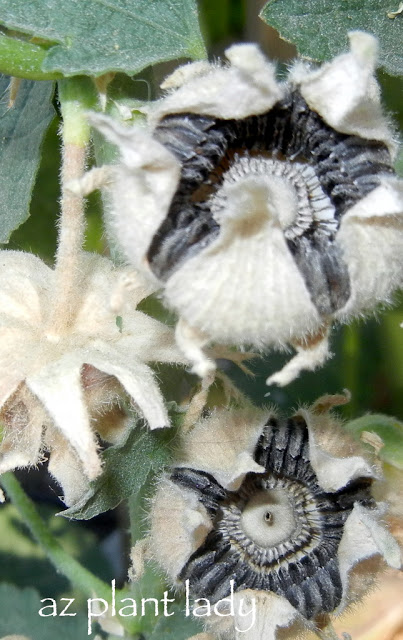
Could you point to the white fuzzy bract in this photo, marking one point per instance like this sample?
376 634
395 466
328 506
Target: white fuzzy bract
53 387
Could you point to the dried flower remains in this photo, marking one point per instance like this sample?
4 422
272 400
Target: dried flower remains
56 386
264 210
280 508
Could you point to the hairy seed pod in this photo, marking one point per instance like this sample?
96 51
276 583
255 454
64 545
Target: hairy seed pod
264 211
296 523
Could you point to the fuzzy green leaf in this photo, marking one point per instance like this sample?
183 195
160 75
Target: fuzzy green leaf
94 37
19 615
23 59
126 468
388 429
319 27
22 128
176 626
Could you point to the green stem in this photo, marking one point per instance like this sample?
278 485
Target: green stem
23 60
78 575
63 562
76 96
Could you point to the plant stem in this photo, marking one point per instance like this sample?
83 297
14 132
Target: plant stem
78 575
68 566
76 95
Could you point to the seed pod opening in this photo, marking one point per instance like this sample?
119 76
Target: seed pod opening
264 211
280 532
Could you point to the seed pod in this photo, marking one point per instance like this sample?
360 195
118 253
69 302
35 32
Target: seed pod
264 211
289 521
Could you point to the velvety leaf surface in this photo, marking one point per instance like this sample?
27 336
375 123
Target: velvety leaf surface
319 27
22 128
19 615
23 59
176 626
126 469
97 36
388 429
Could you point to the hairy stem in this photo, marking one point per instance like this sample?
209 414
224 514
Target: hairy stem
78 575
325 630
68 566
76 95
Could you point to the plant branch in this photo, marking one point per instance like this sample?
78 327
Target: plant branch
76 96
63 562
78 575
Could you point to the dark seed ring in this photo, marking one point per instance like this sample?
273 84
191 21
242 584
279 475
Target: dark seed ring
279 532
329 171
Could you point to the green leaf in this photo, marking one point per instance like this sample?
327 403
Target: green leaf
22 128
23 59
126 469
390 430
176 626
319 27
94 37
19 615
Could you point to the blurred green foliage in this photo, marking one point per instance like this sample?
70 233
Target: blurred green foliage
27 564
19 615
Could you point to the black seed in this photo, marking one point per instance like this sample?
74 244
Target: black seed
199 481
327 590
283 434
278 451
298 436
223 589
204 585
322 553
197 566
265 444
296 572
309 565
325 273
335 577
313 598
215 539
274 582
284 577
245 576
335 519
297 598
